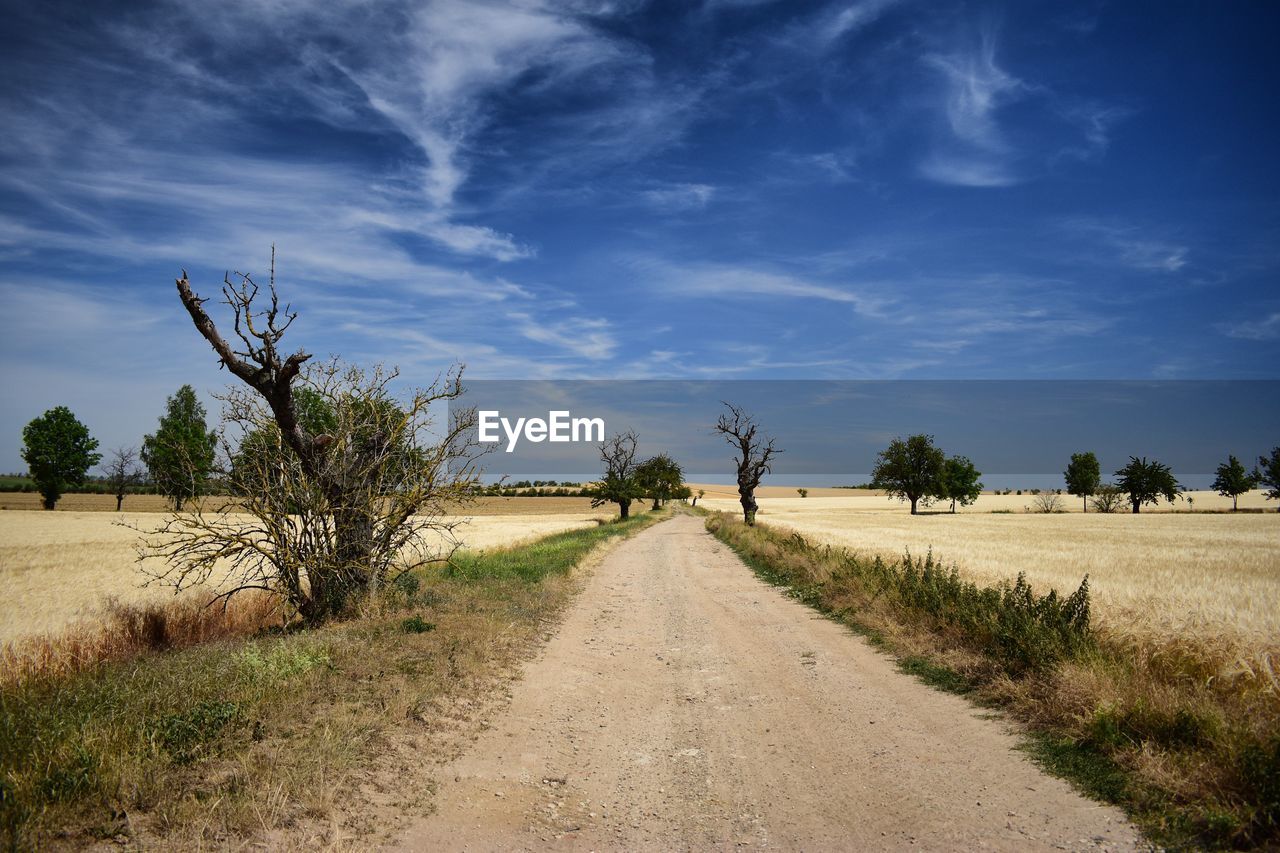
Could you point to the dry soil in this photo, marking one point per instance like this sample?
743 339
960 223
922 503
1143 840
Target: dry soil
684 704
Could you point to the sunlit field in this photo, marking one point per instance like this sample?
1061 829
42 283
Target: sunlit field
1209 574
59 567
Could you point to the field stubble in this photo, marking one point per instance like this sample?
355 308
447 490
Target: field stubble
59 567
1209 576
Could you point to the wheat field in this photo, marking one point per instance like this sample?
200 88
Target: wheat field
1206 574
59 567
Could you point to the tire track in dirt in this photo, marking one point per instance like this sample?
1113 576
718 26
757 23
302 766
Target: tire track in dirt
685 704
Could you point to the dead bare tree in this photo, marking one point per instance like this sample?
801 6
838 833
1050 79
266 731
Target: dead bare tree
619 484
122 472
755 453
335 483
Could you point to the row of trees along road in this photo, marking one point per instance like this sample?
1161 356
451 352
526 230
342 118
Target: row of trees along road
624 480
179 456
661 478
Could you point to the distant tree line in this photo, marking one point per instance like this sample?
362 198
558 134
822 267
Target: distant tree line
177 461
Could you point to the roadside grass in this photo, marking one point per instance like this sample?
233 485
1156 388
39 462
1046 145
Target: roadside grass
1174 732
289 736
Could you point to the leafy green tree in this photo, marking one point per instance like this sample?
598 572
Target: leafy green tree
1083 476
1146 482
180 454
618 484
660 478
1232 481
1267 474
910 469
959 482
59 452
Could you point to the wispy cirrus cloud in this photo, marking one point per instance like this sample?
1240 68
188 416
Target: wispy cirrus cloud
586 337
1265 329
973 151
974 145
838 20
759 282
1129 245
432 73
680 196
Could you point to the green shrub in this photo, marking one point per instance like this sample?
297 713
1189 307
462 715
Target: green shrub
415 625
1009 622
407 584
184 736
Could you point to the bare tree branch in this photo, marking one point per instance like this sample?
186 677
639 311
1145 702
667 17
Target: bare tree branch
754 455
336 484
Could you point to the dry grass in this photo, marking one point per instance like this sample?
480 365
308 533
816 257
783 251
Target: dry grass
1206 575
156 503
58 568
122 631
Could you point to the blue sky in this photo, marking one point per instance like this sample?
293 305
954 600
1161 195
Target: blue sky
614 188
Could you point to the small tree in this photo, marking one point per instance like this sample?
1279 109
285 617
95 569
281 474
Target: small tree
754 457
1267 474
804 493
59 452
1109 498
660 479
1146 482
355 505
618 485
910 469
1083 476
1047 502
123 472
278 529
1232 481
180 454
959 482
701 492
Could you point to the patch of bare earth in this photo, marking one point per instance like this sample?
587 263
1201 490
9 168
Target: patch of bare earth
684 704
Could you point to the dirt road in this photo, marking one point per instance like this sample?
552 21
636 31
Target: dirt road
684 704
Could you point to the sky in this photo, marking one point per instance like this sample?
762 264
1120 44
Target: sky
705 189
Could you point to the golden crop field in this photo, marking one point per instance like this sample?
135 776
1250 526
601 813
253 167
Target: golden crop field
59 567
1210 574
156 503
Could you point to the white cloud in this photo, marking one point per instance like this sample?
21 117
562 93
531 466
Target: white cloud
974 151
1267 329
676 197
743 281
588 338
1129 246
842 19
967 171
976 88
